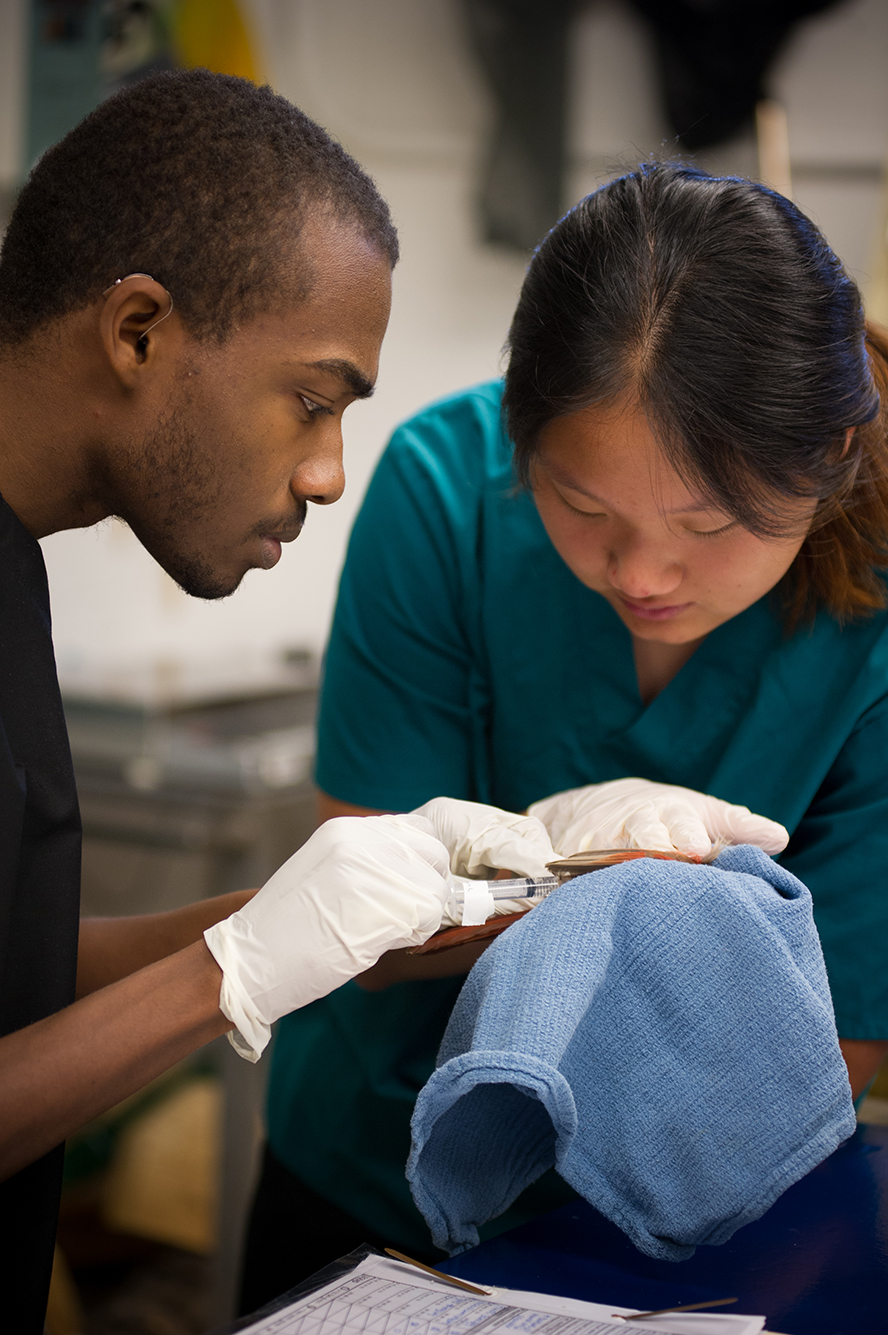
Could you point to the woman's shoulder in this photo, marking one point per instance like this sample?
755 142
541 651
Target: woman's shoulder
480 405
865 634
462 434
845 660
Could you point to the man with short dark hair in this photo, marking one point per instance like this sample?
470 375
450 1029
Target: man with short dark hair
194 286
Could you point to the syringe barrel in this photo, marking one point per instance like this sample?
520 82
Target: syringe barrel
523 887
519 887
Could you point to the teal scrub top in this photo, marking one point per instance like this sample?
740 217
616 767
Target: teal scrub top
466 659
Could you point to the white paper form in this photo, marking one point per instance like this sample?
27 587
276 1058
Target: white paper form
383 1297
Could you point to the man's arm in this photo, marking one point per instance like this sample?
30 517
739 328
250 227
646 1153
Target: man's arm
378 881
63 1071
148 994
113 948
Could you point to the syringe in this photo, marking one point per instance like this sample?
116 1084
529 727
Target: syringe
472 902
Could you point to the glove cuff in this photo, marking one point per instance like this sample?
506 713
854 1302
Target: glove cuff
251 1033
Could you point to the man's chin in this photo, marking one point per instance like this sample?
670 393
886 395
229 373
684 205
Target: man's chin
199 580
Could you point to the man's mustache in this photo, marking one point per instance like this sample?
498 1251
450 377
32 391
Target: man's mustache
285 530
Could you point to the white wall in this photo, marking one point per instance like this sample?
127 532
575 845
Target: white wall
394 81
833 80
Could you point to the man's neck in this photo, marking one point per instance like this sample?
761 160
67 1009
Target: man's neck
49 432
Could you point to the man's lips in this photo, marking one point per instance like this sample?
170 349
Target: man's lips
650 612
284 534
270 543
271 551
271 534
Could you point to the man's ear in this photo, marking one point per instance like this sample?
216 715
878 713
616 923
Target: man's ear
133 309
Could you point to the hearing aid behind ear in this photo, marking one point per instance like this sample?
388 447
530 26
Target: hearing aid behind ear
142 340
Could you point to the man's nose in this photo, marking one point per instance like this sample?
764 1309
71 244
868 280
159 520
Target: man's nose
321 477
640 570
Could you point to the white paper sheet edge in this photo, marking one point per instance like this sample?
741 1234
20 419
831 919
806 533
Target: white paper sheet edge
691 1323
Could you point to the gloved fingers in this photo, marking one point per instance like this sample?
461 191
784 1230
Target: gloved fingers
520 854
560 806
563 814
411 820
483 839
562 809
592 816
346 838
687 830
637 813
450 815
739 825
410 924
401 876
453 821
644 828
389 895
419 834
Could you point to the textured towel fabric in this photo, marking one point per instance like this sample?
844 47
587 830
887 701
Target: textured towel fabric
663 1034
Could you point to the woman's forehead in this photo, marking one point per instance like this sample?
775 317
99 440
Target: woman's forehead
610 453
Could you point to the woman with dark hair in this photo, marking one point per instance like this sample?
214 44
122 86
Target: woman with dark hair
686 583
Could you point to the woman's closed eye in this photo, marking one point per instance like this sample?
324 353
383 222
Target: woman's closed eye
576 509
712 532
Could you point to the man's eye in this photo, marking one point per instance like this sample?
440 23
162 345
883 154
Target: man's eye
313 407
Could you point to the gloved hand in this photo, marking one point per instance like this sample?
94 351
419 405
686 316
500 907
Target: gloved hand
483 840
634 813
361 885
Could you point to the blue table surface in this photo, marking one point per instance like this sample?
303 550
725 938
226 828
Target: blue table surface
815 1264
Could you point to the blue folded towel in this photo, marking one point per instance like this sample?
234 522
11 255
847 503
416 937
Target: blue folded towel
662 1034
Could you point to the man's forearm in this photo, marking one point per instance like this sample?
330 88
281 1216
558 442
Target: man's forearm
62 1072
113 948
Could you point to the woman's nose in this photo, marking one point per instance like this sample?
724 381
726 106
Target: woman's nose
640 571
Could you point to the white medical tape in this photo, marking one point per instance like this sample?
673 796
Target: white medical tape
478 903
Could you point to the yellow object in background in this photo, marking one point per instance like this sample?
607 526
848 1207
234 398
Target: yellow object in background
163 1181
64 1313
215 34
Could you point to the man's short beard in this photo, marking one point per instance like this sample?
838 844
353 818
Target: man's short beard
175 486
197 578
171 486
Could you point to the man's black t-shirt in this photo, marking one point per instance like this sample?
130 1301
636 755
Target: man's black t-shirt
39 890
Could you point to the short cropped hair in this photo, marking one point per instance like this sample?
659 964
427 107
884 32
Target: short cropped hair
721 309
198 179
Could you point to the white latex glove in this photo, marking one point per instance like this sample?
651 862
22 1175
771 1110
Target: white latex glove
483 840
361 885
634 813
